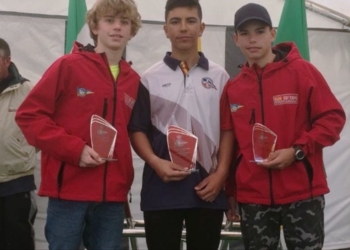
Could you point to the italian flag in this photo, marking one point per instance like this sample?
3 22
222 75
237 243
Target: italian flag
293 26
77 29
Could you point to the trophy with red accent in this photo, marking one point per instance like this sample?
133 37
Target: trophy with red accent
264 141
103 137
182 147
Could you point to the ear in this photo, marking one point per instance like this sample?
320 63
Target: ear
273 34
94 29
235 38
165 28
7 61
202 28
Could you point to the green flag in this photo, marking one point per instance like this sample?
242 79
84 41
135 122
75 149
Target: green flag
76 20
293 26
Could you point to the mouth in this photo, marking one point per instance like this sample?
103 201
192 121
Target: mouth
253 49
116 36
184 38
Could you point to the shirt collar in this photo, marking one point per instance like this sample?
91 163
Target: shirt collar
174 63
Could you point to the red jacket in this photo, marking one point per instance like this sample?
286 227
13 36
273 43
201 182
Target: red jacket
290 97
55 117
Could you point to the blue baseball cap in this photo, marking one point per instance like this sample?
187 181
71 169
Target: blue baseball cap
251 11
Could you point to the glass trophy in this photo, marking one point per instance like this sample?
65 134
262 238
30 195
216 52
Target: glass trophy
182 147
264 141
103 137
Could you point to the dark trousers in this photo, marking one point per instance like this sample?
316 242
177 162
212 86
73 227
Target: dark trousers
164 228
16 222
302 221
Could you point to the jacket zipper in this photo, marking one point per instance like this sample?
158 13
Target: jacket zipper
113 124
261 94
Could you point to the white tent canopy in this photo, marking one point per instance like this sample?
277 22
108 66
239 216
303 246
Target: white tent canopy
35 30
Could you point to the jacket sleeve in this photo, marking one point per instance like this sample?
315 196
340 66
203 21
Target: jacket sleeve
327 117
36 115
225 113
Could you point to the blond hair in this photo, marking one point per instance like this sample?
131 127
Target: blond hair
123 8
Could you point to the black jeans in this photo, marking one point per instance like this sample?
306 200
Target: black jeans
16 222
164 228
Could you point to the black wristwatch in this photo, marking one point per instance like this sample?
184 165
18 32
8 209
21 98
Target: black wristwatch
299 153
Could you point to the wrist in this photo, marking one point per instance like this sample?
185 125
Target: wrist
152 161
299 154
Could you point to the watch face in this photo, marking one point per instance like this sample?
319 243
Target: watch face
299 154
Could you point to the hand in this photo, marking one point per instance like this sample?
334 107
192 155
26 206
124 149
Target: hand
168 171
89 158
231 213
209 188
279 159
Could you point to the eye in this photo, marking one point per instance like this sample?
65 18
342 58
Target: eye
125 21
109 20
173 22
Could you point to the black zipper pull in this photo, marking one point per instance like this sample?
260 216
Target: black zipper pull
252 117
105 104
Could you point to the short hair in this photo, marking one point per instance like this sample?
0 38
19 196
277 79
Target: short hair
124 8
5 51
172 4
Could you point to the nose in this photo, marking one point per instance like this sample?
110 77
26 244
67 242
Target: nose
183 25
117 24
252 38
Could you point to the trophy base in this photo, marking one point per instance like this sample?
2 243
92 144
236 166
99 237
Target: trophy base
109 159
257 161
195 170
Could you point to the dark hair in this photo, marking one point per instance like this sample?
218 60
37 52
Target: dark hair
172 4
5 51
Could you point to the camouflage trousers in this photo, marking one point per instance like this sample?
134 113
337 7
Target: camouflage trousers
302 222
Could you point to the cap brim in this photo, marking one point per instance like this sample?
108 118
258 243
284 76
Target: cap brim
249 19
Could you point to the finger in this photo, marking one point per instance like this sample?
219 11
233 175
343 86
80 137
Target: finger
178 168
178 173
201 185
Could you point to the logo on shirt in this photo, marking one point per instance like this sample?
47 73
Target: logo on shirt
166 85
234 107
81 92
285 99
129 101
208 83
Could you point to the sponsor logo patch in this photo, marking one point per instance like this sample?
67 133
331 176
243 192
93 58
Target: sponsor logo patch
234 107
129 101
81 92
285 99
208 83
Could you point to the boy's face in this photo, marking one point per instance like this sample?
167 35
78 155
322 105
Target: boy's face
255 40
113 32
183 27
